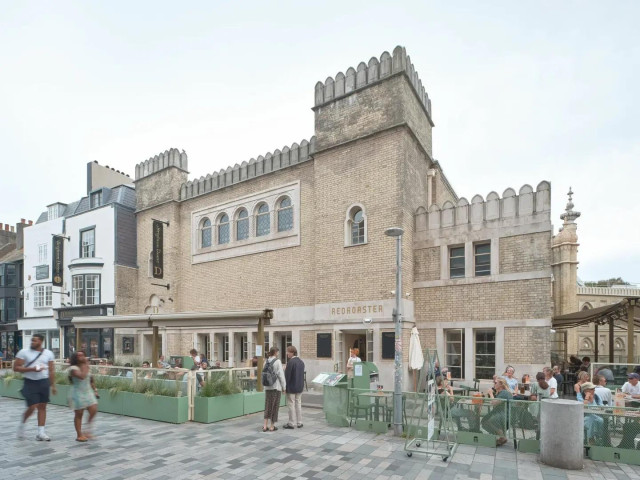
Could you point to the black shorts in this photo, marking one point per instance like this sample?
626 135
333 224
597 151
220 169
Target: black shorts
36 391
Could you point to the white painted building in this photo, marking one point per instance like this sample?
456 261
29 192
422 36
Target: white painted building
99 235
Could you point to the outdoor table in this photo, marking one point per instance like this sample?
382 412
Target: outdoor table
377 397
458 390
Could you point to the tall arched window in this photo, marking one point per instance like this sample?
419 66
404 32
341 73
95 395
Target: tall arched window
223 229
242 225
205 234
357 226
285 215
263 220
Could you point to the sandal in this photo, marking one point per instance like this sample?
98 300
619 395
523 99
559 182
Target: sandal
273 429
265 429
82 439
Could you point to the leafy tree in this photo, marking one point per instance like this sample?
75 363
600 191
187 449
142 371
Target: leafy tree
607 283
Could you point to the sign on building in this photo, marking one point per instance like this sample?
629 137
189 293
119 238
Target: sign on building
158 268
58 261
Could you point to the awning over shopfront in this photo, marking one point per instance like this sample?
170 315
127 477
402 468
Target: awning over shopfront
624 314
231 318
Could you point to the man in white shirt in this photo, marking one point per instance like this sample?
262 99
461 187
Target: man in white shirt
553 383
602 391
36 365
632 387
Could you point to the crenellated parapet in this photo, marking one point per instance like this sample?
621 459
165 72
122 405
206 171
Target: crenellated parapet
170 158
366 74
255 167
524 205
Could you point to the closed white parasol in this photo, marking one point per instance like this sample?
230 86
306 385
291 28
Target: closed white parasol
416 358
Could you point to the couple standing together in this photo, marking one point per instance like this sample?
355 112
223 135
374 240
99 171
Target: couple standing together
37 366
277 380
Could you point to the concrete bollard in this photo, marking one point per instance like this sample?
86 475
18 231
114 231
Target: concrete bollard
562 434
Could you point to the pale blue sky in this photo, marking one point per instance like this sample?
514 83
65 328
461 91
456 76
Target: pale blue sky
520 94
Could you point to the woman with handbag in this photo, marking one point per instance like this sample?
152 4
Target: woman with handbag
82 395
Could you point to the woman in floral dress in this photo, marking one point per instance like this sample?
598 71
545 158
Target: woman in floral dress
83 394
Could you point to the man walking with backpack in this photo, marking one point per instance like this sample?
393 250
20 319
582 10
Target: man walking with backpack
294 374
274 384
36 364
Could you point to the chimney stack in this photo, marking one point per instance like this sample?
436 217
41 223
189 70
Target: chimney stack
12 228
0 226
6 227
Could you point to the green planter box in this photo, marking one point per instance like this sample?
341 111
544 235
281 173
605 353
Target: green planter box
11 388
214 409
111 402
253 402
62 397
615 455
156 407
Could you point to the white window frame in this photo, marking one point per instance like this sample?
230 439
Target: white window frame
43 254
475 259
477 355
280 209
42 296
84 248
462 353
348 222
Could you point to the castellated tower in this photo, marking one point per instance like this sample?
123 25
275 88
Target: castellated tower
373 131
158 181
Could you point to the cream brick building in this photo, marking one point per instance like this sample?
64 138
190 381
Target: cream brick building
301 231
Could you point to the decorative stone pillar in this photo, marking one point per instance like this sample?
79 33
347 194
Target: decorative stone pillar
562 434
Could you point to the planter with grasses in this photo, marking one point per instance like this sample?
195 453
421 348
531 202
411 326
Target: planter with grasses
10 385
155 400
217 400
111 390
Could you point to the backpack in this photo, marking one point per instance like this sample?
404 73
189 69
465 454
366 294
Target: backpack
269 376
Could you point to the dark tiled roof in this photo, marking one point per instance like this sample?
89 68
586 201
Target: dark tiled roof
122 195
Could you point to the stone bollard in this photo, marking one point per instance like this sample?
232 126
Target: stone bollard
562 434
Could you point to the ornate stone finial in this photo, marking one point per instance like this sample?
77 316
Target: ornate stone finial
569 216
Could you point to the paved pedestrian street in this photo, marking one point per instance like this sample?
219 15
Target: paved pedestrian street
129 448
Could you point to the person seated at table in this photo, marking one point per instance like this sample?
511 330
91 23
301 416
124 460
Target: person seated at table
553 384
458 411
495 422
586 363
602 391
540 389
217 365
512 382
163 363
593 423
583 377
632 387
606 373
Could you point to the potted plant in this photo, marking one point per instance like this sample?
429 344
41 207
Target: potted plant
218 399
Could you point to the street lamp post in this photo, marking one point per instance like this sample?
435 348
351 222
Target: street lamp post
397 318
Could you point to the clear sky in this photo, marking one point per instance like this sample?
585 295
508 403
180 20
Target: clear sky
520 93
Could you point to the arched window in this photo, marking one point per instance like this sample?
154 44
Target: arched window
357 226
263 220
205 234
285 215
223 229
242 225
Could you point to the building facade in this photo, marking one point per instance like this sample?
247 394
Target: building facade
301 230
96 237
11 287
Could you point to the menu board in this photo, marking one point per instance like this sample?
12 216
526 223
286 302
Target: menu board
330 379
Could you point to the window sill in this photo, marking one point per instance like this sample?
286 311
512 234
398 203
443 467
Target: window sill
356 245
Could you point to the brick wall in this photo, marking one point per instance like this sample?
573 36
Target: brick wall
527 345
308 344
526 299
427 338
426 264
525 253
